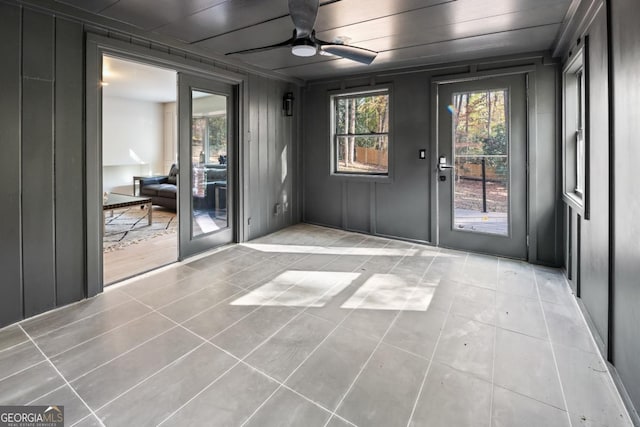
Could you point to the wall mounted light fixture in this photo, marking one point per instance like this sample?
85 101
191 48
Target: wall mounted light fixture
287 104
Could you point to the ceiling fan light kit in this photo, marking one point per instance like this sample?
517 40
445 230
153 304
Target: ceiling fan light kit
304 47
304 42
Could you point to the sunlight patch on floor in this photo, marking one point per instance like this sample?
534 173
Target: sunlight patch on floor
390 292
299 289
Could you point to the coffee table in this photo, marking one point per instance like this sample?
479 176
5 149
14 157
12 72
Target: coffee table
115 201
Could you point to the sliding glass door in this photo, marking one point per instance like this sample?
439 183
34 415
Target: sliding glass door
207 138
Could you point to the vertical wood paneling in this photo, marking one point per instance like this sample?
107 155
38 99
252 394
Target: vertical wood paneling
359 206
69 169
37 196
254 165
594 252
10 242
272 158
37 45
625 46
262 197
37 164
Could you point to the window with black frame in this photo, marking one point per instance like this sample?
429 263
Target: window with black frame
361 133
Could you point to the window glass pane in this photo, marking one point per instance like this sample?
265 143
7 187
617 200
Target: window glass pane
361 140
481 158
362 154
209 162
364 114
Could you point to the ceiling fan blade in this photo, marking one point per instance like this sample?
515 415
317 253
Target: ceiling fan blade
287 43
358 54
303 14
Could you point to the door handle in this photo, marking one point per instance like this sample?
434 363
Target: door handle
442 164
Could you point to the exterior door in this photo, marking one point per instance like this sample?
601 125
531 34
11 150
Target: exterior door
206 111
481 166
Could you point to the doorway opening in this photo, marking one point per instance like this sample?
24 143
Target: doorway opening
139 168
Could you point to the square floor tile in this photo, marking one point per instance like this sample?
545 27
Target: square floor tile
417 332
30 384
229 401
288 409
525 365
512 409
467 345
106 383
589 390
18 358
386 389
287 349
521 315
452 398
11 336
329 371
91 354
248 333
164 393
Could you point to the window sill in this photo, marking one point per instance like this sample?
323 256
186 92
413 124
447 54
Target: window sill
361 177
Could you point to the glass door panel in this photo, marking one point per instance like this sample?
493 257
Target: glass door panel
481 162
209 148
207 142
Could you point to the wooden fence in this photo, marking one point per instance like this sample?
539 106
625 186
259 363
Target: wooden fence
372 156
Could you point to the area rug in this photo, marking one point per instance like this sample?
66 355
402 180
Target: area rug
128 226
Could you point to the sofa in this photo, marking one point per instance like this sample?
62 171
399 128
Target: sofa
163 190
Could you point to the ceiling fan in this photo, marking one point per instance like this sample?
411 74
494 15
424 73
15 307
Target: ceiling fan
304 42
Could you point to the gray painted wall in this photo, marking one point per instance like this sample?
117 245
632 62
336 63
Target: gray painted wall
43 227
402 208
625 45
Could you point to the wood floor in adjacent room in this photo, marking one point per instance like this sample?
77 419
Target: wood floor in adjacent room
140 257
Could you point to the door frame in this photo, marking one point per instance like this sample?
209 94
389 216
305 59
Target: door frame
530 112
97 46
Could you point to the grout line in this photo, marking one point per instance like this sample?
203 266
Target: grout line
21 324
63 378
495 340
553 352
95 368
14 346
164 368
366 363
22 370
47 393
82 419
433 353
135 319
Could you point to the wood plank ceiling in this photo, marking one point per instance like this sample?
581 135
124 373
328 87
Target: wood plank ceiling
405 32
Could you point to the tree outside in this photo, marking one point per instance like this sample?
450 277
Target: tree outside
481 147
362 126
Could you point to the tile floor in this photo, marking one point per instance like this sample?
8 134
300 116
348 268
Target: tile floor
319 327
